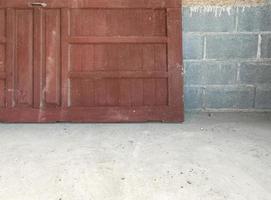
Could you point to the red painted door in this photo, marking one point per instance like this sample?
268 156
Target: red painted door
90 61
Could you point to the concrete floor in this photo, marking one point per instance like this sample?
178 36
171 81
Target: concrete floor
222 156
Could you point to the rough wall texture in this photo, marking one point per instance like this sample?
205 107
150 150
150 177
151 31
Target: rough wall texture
222 2
227 58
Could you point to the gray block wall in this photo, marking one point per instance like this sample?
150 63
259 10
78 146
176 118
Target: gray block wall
227 58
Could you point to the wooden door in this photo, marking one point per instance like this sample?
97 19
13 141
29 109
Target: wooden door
90 61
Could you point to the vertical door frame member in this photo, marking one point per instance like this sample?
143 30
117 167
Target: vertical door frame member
175 65
39 46
65 83
10 57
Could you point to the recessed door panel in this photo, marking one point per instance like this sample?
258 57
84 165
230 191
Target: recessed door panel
2 93
118 22
24 57
2 23
52 75
119 92
118 57
2 58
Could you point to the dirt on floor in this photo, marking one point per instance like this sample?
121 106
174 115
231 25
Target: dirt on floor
221 156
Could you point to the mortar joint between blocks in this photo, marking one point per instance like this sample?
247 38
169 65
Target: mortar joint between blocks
259 47
204 47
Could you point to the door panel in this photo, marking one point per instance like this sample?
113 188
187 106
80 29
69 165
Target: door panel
2 57
2 23
24 57
2 93
90 61
118 57
118 22
119 92
52 80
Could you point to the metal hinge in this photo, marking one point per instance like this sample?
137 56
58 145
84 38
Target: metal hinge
38 4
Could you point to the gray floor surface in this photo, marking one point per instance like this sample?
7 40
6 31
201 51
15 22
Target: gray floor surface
209 157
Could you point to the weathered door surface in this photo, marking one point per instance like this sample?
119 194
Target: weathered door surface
90 61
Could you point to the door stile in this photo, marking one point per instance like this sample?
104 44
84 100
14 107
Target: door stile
10 57
38 57
175 67
65 82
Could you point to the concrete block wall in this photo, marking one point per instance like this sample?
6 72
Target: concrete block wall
227 58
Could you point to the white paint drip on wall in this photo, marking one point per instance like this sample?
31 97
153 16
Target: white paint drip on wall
217 10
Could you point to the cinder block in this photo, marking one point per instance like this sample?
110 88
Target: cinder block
220 73
266 46
254 18
230 97
208 21
263 97
193 73
192 46
231 46
253 73
210 73
193 98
